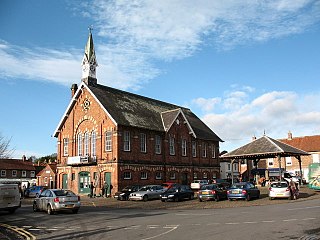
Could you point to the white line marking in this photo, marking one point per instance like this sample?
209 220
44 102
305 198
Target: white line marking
27 226
52 229
34 229
161 234
306 219
250 222
268 221
232 223
290 220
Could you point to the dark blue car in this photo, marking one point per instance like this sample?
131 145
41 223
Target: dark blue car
34 191
243 190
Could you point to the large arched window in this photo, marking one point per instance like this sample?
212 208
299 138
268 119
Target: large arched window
86 143
93 143
79 143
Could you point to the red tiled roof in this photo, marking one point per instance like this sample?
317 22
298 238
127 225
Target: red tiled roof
52 166
306 143
16 164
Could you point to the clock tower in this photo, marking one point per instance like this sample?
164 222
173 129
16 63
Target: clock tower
89 62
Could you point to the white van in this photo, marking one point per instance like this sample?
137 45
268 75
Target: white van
10 198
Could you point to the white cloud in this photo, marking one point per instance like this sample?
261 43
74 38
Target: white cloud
274 113
138 32
206 105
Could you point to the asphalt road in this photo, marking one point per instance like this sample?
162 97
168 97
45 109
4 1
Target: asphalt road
288 220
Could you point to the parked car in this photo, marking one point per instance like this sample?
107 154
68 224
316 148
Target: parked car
196 184
279 190
177 193
10 198
243 190
34 191
124 193
55 200
168 185
147 192
212 192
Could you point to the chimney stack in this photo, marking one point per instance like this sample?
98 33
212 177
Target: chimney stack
289 135
254 138
24 158
74 88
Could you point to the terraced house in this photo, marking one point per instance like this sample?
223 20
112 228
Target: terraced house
113 136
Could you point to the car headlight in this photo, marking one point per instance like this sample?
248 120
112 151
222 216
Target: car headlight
171 195
122 194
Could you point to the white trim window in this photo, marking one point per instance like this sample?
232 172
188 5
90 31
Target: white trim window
171 146
194 149
158 144
86 144
213 151
204 150
315 158
14 173
288 161
127 175
270 161
65 146
23 173
3 173
93 143
79 144
172 176
205 175
108 138
158 175
126 141
143 142
144 175
32 174
184 147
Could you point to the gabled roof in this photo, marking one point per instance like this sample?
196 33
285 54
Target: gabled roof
306 143
49 167
128 109
264 147
16 164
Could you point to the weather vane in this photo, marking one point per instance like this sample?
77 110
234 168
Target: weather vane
90 28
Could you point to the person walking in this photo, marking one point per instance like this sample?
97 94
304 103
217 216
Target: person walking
91 189
106 188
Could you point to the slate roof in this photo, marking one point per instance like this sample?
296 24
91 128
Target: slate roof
264 147
130 109
16 164
306 143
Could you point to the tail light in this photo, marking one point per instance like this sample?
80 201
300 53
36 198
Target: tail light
228 192
213 192
288 189
56 199
244 191
270 189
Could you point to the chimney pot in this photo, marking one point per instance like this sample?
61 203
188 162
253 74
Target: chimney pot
289 135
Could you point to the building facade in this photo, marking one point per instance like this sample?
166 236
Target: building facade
48 176
113 136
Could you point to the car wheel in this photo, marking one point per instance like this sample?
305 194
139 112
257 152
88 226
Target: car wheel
200 200
270 198
75 211
248 198
217 198
176 199
37 195
34 207
49 210
145 198
162 200
191 197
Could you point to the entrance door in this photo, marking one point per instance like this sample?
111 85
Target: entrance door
184 178
107 178
84 183
65 181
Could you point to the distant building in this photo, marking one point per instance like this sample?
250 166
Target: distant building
48 176
113 136
17 170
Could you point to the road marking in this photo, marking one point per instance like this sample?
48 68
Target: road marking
290 220
161 234
306 219
250 222
268 221
232 223
152 226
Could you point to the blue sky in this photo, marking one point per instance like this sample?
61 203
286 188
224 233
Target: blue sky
244 67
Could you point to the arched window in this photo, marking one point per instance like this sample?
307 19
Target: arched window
93 143
86 144
79 143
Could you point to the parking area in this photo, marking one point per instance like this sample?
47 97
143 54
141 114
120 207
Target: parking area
305 194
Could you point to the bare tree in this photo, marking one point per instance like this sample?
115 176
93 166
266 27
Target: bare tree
5 150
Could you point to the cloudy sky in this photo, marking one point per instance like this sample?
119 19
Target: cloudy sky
245 67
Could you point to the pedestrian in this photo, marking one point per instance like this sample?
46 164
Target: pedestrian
106 187
91 189
293 188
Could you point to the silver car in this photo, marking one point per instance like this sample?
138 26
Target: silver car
147 192
279 190
54 200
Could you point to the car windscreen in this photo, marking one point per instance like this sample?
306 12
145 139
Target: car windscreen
279 185
237 186
61 193
208 187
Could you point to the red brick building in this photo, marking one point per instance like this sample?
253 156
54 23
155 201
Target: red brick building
48 176
122 138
